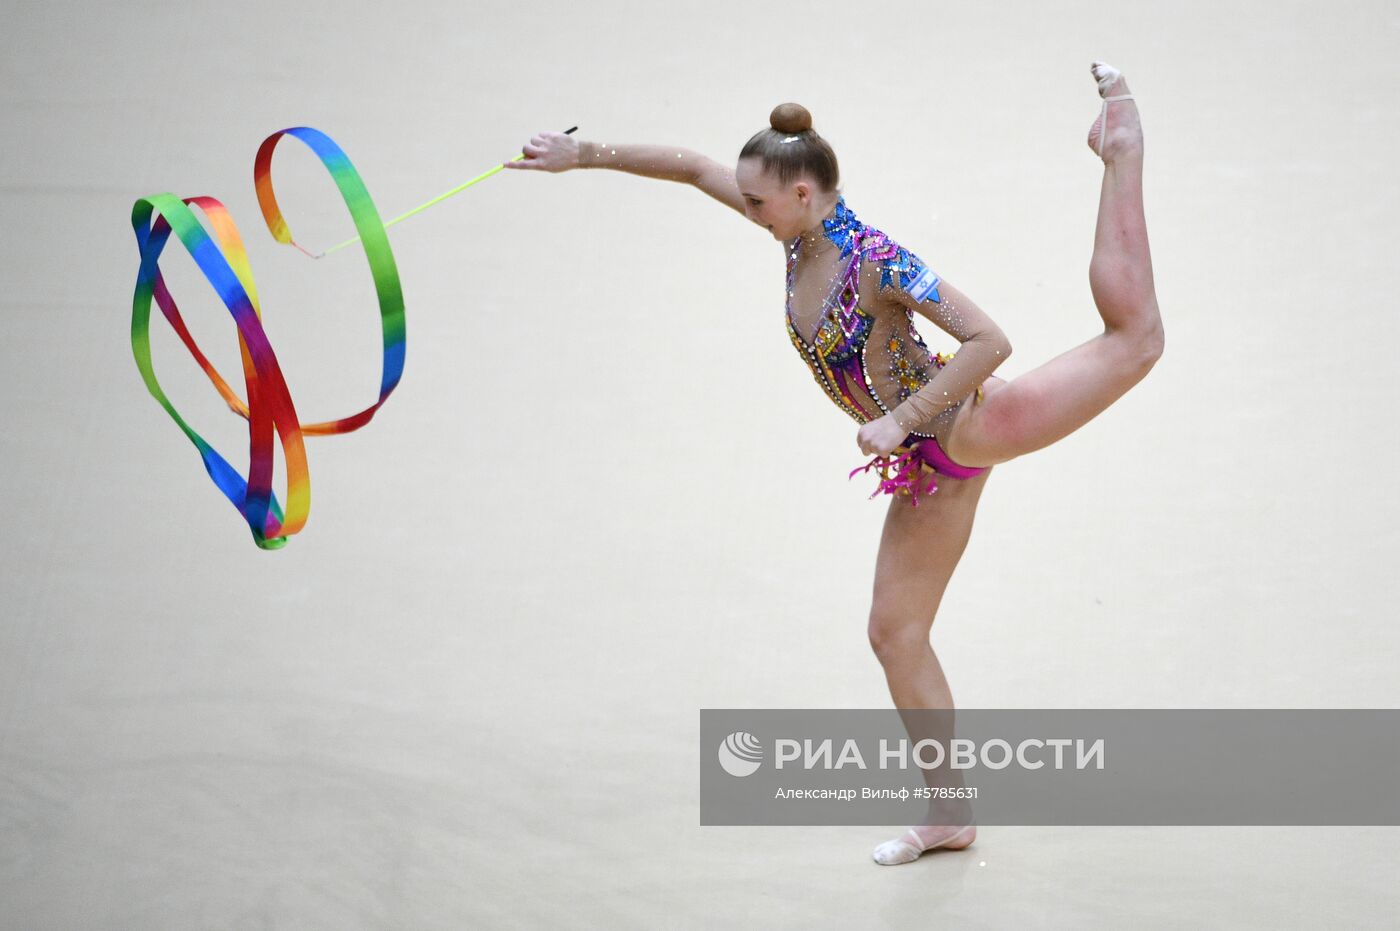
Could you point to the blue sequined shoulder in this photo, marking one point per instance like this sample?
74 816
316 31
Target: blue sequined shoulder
898 266
901 268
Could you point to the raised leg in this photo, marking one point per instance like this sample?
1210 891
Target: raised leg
1050 402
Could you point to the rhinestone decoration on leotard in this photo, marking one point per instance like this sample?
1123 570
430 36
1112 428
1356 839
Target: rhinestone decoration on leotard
846 231
843 228
844 331
906 374
837 356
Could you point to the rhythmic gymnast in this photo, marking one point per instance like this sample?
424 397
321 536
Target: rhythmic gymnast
851 295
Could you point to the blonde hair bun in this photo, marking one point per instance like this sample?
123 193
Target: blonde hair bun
790 118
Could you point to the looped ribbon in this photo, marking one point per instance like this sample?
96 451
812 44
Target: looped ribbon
908 477
224 263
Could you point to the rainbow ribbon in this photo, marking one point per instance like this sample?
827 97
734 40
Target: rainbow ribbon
225 264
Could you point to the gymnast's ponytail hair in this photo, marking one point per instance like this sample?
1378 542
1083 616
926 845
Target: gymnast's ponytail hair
790 147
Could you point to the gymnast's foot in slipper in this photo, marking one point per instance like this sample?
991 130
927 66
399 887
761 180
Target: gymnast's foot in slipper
910 845
1121 135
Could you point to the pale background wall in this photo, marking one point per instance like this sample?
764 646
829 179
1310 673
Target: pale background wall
468 693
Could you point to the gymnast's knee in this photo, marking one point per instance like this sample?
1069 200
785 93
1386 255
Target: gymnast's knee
896 637
1140 345
1154 343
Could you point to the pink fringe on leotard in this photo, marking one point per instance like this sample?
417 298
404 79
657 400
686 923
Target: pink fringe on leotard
908 469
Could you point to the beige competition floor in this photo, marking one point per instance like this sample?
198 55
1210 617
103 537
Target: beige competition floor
607 494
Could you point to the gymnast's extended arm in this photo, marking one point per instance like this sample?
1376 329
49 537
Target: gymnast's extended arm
552 151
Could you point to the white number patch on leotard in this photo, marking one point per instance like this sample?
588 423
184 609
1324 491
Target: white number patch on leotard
925 284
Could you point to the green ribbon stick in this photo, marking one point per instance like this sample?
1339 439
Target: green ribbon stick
441 197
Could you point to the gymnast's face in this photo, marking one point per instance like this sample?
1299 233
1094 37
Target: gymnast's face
783 210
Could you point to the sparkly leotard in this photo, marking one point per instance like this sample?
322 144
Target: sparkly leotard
866 352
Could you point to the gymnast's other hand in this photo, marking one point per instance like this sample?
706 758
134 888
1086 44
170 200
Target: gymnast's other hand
880 437
548 151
